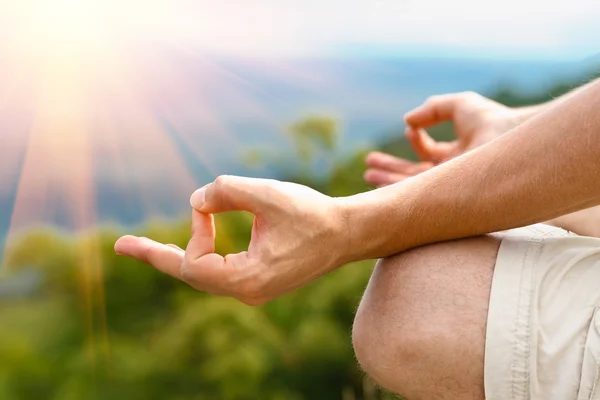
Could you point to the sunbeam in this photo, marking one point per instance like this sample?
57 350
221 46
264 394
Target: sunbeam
111 91
103 111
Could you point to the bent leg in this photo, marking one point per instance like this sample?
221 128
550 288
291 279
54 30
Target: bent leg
420 328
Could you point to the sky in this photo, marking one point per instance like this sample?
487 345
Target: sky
505 29
529 28
86 82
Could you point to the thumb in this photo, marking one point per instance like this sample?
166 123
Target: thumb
203 236
435 110
425 146
229 193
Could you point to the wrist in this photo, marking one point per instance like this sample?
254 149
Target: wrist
510 118
375 224
522 114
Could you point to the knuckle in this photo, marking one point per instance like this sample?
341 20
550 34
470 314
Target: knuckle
271 192
468 96
432 100
220 189
221 182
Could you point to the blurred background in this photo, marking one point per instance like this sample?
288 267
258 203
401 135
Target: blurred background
113 111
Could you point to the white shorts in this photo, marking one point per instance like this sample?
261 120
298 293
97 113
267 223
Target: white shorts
543 329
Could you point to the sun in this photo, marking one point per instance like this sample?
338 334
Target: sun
43 28
84 103
42 32
113 105
93 92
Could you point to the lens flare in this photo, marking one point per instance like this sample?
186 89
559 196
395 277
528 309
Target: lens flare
99 97
93 93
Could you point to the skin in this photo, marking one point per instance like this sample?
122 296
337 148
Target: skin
429 302
544 168
429 306
477 121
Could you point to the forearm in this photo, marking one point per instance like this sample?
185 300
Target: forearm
544 168
584 222
523 114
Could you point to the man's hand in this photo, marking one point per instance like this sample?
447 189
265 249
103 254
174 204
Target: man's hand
297 236
543 168
477 120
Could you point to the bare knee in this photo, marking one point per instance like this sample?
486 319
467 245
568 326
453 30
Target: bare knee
420 328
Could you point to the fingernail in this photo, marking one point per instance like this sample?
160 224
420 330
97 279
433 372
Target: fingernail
198 198
118 250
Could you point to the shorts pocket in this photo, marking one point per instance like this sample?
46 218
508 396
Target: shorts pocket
589 387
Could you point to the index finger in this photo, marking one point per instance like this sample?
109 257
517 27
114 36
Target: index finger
202 268
435 110
164 258
379 160
203 236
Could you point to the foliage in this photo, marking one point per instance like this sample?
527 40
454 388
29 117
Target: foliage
124 331
314 133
